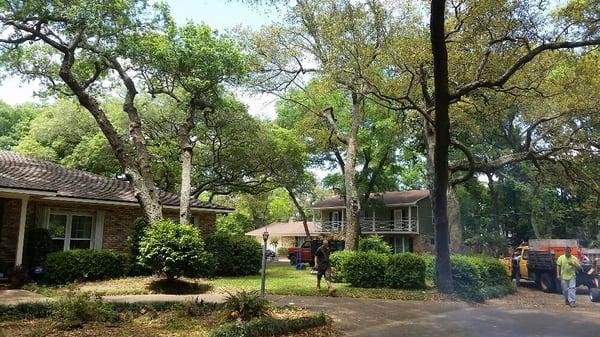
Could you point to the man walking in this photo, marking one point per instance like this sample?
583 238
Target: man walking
566 270
322 265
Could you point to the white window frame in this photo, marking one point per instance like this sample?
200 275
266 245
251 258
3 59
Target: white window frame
69 215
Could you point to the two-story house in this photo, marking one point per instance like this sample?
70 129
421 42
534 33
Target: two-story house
403 218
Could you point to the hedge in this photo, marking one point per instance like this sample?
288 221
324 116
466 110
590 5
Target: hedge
405 271
85 264
338 261
268 326
475 278
374 243
235 255
366 269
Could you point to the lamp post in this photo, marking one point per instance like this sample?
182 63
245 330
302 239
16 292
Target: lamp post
265 236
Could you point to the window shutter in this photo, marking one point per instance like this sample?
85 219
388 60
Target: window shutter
99 230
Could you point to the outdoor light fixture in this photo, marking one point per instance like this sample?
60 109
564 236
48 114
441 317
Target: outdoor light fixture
265 236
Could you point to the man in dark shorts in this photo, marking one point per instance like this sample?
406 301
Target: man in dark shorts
322 266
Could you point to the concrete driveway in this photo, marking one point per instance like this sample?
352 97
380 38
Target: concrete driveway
506 317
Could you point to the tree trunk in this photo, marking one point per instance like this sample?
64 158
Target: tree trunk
442 142
185 214
455 222
300 211
352 200
142 183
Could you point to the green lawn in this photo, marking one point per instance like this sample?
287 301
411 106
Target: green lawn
282 279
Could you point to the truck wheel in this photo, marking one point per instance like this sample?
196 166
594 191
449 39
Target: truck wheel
595 294
547 283
293 260
311 263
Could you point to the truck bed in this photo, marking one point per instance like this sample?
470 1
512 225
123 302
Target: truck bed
541 260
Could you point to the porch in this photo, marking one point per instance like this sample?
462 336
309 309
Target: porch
403 220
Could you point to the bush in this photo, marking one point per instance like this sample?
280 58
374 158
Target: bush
133 242
267 326
245 305
495 280
466 278
366 269
374 243
174 250
429 267
75 308
338 261
235 255
85 264
282 251
25 311
405 271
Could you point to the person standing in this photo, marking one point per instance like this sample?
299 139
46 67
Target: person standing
322 266
566 271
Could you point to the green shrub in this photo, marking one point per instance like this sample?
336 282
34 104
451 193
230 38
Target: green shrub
338 261
245 305
85 264
374 243
466 278
75 308
495 280
366 269
174 250
267 326
133 242
235 255
405 271
25 311
282 251
429 267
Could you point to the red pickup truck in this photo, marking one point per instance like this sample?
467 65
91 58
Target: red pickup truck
308 248
306 254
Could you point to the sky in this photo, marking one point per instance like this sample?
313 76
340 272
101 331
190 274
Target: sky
219 14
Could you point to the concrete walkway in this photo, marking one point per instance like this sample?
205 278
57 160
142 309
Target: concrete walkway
15 296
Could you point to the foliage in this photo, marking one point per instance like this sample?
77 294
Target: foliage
429 260
174 250
374 243
39 244
234 255
282 251
14 123
245 305
234 223
405 271
366 269
133 242
75 308
85 264
25 311
338 260
268 326
477 278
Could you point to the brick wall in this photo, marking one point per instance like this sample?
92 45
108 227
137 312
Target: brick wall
9 231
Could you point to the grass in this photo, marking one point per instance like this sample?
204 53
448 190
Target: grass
282 279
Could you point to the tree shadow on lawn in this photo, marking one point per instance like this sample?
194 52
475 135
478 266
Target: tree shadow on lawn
178 287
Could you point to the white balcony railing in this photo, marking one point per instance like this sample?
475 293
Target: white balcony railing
368 225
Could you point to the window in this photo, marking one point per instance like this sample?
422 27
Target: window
70 230
335 216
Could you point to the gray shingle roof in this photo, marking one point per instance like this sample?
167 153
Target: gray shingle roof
387 198
21 172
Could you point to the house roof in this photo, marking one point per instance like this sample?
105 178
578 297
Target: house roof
19 172
293 228
396 198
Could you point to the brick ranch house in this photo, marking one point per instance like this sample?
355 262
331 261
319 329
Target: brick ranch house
403 218
81 210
